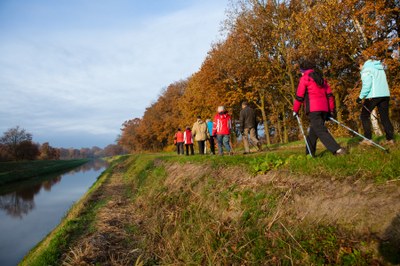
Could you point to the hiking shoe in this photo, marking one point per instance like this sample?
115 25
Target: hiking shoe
365 143
340 152
390 142
244 153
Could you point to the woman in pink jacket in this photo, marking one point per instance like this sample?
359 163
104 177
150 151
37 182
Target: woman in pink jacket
314 92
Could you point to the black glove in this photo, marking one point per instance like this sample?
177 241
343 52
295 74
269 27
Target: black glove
359 101
331 114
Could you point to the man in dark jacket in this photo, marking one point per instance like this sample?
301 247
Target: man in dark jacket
248 125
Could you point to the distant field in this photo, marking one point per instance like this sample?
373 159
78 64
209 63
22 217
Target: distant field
17 171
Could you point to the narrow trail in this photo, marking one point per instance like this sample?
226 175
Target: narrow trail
110 242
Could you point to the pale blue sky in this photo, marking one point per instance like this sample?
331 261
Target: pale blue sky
71 72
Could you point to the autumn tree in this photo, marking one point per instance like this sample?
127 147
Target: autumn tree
18 144
48 153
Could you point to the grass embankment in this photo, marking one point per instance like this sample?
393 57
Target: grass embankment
272 208
11 172
78 220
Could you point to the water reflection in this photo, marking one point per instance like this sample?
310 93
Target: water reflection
18 200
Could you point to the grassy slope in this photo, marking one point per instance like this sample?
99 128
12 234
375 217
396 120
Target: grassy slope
241 209
206 214
11 172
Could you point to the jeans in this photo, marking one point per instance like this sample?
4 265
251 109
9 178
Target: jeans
223 140
383 108
179 147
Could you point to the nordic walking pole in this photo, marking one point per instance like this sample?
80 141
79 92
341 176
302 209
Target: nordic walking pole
302 132
358 134
369 112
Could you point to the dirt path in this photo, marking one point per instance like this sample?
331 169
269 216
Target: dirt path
110 242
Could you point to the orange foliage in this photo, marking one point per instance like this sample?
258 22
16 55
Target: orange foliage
258 60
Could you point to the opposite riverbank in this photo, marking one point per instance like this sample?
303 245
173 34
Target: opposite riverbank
275 207
12 172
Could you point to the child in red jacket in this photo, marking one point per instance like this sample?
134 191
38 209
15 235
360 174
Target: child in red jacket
188 139
179 141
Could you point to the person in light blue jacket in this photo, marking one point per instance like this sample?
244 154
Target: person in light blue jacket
375 92
211 139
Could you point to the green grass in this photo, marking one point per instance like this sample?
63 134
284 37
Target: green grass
200 217
11 172
369 163
208 220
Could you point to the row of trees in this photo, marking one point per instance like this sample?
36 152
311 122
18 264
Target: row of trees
258 61
16 144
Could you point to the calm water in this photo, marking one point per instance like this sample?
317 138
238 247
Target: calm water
30 210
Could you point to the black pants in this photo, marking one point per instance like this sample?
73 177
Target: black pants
319 131
383 108
179 147
211 140
201 144
191 149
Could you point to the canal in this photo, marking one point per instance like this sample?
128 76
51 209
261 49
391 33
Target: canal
31 209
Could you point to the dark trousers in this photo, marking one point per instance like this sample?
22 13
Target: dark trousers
211 140
179 148
201 144
318 130
191 149
383 108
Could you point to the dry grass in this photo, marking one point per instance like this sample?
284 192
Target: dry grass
109 243
193 214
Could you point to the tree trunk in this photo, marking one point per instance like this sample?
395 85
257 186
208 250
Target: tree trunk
375 124
285 131
266 128
279 128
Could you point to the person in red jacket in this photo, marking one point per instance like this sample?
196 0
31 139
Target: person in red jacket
179 141
222 128
314 92
188 138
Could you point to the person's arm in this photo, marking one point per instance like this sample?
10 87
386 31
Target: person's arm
300 94
215 122
241 119
366 78
331 98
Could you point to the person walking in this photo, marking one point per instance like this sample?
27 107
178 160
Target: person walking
315 93
375 92
222 128
248 125
211 139
179 141
188 139
200 133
